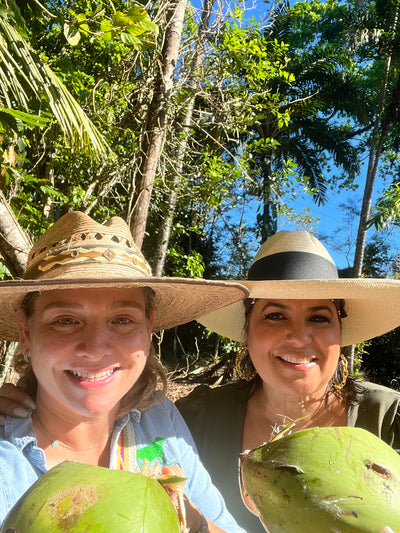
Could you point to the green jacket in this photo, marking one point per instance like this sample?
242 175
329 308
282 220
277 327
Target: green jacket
216 417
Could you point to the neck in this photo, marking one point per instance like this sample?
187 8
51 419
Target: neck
283 409
61 439
268 414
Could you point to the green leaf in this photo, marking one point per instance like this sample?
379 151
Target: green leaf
137 14
72 34
81 17
120 20
131 40
106 28
150 26
29 120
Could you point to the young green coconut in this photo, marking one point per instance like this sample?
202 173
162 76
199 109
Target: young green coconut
75 497
327 479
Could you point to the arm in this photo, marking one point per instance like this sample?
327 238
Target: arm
199 487
178 449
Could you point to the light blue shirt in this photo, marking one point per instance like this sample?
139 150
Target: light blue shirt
161 435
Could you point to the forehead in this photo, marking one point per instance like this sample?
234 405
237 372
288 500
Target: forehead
101 297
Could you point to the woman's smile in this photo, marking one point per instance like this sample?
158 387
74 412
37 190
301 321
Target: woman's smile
298 362
294 344
88 347
91 379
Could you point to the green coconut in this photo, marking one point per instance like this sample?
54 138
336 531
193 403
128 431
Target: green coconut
74 497
339 480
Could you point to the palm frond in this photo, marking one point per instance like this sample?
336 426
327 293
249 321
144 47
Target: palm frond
387 209
28 84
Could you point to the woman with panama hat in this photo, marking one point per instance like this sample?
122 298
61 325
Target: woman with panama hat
83 315
292 326
297 316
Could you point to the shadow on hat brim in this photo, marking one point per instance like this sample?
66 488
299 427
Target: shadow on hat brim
177 300
372 305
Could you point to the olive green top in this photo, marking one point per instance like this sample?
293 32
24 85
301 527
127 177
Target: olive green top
216 417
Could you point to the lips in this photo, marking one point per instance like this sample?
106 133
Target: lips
297 360
92 376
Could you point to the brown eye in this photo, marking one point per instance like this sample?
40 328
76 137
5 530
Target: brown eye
273 316
122 320
319 318
67 321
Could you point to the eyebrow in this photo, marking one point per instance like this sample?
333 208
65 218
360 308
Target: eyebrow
288 308
127 303
116 304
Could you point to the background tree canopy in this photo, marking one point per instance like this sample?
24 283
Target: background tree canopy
199 124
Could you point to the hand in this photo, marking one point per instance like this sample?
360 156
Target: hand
192 521
14 402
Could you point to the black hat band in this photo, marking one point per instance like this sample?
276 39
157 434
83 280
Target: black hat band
292 265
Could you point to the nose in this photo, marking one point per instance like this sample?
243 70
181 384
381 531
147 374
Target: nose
94 342
298 332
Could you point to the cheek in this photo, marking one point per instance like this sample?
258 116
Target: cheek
139 345
259 338
332 339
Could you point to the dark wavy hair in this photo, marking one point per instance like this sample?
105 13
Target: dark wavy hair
148 390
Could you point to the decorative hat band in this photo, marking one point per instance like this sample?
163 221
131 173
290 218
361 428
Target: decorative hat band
89 247
89 255
292 265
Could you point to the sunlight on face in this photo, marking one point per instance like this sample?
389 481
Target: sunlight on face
87 347
294 344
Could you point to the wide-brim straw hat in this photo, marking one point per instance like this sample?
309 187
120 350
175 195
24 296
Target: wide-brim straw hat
295 265
77 252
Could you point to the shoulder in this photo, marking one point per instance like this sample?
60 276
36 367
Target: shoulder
162 411
378 411
12 460
161 419
379 395
215 412
17 474
204 397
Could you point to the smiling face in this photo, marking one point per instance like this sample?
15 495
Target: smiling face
87 347
294 345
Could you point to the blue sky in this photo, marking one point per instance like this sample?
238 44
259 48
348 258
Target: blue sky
336 228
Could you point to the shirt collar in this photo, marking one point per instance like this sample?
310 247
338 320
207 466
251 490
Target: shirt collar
20 431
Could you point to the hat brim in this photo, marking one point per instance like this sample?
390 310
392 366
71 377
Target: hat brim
177 300
372 305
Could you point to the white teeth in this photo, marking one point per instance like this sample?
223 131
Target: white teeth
296 360
88 375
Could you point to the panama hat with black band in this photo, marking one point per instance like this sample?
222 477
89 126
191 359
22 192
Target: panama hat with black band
78 252
295 265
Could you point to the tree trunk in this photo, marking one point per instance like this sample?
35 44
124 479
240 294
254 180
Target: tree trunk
14 243
156 124
379 136
194 77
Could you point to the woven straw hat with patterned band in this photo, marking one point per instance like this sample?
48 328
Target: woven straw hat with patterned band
295 265
77 252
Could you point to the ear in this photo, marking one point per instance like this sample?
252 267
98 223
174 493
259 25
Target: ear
150 322
24 333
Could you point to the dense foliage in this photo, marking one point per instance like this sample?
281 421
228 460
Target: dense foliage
211 135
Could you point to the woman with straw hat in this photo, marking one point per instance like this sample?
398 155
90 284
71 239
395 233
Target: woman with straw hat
298 315
84 314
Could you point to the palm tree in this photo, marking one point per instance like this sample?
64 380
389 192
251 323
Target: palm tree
28 85
32 96
324 92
